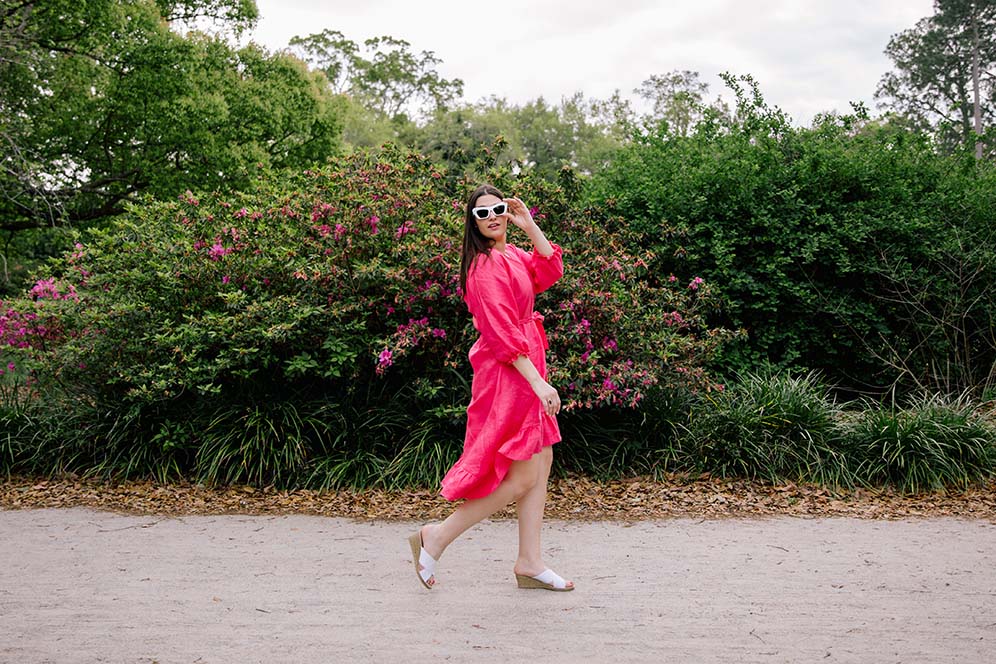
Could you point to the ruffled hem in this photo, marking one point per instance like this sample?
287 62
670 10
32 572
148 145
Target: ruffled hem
459 483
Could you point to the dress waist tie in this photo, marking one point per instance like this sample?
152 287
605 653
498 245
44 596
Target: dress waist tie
537 318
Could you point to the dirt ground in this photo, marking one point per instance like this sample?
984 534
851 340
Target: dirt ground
82 585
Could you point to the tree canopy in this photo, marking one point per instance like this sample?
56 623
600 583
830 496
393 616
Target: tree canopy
101 102
945 74
383 74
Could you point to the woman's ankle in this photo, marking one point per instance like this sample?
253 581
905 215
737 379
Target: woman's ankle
529 566
430 542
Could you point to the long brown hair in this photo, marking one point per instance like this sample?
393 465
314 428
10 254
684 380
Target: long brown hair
474 244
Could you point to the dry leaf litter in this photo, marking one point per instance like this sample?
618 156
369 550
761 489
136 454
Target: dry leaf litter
573 498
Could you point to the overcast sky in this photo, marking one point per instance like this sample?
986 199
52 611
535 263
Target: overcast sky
808 55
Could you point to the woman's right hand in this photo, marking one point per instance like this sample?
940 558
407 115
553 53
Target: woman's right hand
548 396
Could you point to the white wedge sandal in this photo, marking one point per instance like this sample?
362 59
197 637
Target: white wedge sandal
425 565
546 580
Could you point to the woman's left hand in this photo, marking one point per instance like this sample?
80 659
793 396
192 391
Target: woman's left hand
519 215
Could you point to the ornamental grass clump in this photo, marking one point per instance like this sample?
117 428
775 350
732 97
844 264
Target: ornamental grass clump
932 443
771 426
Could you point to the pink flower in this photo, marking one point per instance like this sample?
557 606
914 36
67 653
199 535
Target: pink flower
404 229
321 210
673 318
340 230
373 221
384 360
225 279
241 212
438 333
218 250
695 283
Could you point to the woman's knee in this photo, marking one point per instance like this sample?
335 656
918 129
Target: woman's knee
546 457
523 476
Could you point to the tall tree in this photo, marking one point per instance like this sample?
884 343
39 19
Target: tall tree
678 99
385 75
945 74
101 102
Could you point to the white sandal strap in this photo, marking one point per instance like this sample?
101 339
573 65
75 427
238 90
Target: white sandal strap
551 577
428 565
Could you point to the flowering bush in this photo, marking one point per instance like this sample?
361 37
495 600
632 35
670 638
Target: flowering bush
335 286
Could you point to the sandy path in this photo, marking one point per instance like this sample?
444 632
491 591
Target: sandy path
77 585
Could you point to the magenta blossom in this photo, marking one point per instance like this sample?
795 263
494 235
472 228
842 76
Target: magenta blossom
404 229
218 250
384 360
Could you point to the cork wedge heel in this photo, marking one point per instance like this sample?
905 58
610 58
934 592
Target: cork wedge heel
547 580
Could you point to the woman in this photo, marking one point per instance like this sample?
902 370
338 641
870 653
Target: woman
511 420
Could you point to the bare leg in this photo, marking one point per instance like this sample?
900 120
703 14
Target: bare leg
522 477
529 509
530 512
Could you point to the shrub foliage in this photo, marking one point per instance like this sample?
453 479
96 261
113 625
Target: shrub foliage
850 247
311 329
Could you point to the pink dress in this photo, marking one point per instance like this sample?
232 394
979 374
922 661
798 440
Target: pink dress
505 419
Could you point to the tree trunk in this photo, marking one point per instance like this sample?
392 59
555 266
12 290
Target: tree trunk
975 87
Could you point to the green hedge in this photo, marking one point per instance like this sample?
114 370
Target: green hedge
850 247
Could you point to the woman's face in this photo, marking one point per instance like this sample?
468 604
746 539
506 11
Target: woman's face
494 227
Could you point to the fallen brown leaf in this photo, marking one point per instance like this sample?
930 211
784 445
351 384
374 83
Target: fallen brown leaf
572 498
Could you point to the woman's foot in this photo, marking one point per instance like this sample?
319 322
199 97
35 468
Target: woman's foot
539 576
546 580
425 564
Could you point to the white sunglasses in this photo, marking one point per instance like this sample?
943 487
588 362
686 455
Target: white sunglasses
485 212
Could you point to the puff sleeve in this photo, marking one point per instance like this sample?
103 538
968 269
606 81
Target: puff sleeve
491 301
545 271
